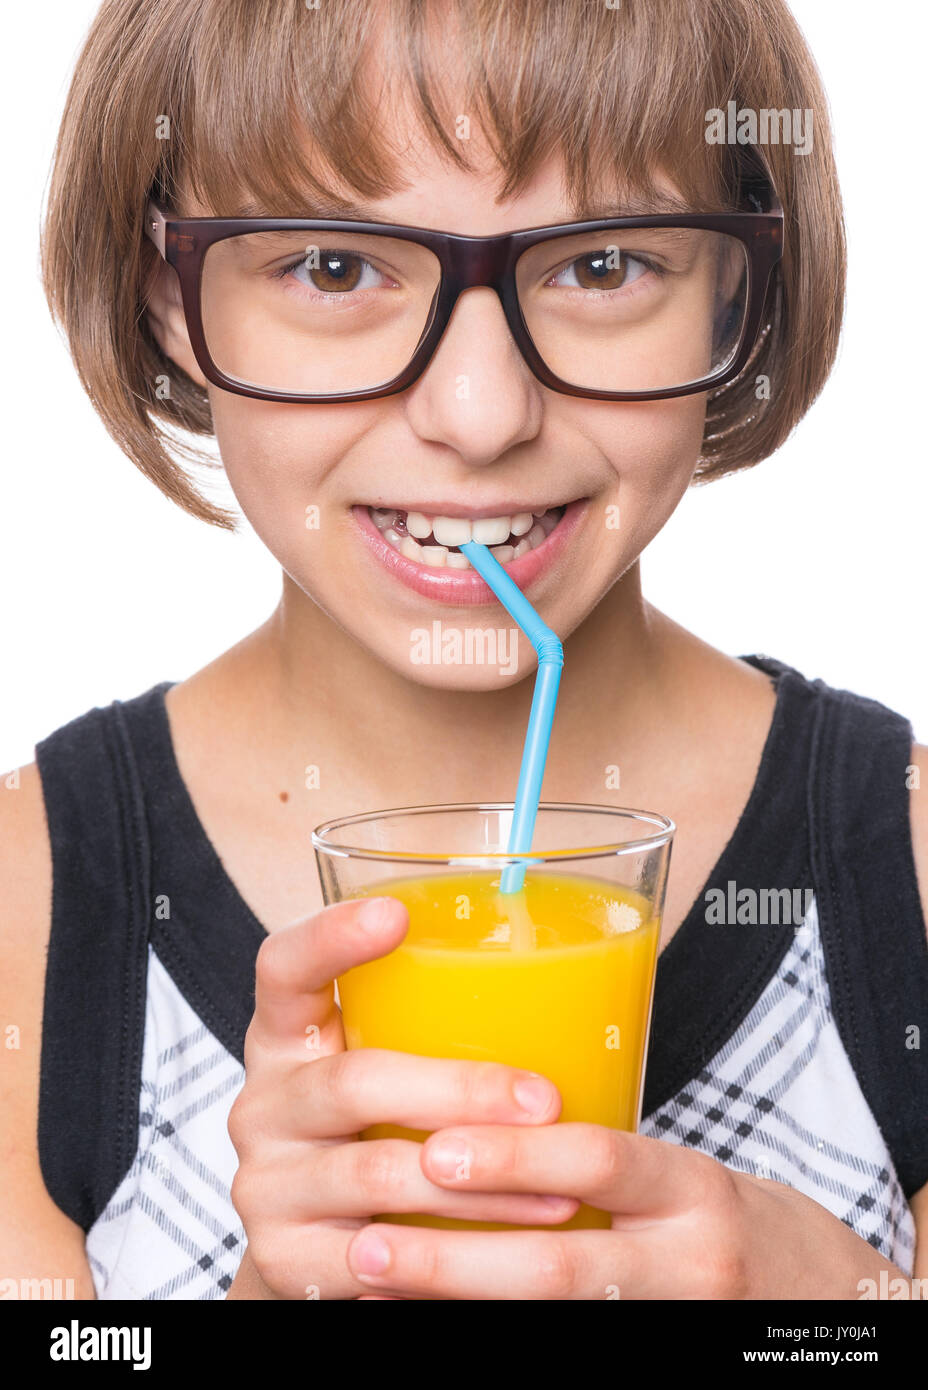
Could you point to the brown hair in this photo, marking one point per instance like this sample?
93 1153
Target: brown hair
621 89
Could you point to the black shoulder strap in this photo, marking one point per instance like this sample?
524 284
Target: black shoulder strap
873 929
94 1011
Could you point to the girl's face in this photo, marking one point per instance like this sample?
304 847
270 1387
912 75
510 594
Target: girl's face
477 436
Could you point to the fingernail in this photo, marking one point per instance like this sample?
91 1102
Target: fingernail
533 1094
451 1158
373 915
557 1201
370 1255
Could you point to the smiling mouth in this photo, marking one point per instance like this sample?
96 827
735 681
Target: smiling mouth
436 540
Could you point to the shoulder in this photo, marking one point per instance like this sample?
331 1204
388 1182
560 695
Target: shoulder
25 924
876 778
43 1233
869 798
918 812
25 870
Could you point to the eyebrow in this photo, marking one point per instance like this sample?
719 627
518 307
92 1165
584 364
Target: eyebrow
659 204
316 210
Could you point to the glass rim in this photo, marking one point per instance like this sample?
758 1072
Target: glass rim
662 835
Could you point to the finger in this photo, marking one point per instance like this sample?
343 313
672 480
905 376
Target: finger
297 964
308 1261
384 1176
348 1091
305 1262
608 1168
566 1265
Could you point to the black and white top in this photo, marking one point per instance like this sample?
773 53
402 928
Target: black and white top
787 1050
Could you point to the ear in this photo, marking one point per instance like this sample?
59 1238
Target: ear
168 322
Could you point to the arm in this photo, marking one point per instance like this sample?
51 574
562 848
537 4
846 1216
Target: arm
37 1241
918 805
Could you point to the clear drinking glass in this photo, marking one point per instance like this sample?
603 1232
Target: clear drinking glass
557 978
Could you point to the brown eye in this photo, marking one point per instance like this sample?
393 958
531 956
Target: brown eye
601 270
336 271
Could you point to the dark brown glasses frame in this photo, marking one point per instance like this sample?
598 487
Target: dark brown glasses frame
466 262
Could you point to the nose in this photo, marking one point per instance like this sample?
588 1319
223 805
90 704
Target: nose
477 395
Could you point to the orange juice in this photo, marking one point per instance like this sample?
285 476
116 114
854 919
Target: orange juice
571 1001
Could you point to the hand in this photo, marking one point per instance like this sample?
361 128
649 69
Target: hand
304 1185
683 1226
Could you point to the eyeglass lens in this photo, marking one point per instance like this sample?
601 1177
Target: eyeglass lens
629 309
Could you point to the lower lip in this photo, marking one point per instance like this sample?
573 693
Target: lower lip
454 586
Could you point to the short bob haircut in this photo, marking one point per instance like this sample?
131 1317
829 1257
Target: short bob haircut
257 91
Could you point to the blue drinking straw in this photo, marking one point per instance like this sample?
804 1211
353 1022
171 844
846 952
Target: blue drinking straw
538 734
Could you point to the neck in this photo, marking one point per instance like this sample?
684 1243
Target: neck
319 689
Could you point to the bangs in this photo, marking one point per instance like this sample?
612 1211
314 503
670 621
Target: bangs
293 109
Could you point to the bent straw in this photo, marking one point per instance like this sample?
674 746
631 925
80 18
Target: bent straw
538 734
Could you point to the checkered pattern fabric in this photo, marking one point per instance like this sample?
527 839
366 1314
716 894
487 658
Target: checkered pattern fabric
779 1100
170 1229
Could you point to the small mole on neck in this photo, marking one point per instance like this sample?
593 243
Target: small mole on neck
285 796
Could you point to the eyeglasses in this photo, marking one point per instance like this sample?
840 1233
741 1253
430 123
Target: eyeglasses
622 309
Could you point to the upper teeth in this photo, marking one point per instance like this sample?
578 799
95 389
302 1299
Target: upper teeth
523 531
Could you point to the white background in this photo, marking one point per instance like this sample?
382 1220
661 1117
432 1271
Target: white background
817 556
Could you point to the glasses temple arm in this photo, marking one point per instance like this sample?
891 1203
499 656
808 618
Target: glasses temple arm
156 216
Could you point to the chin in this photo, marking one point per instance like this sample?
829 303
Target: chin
436 673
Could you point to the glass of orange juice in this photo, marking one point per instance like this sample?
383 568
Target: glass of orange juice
556 978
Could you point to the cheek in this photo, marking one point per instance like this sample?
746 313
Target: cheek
662 467
278 459
661 440
653 448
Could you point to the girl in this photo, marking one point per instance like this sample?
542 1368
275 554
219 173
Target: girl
378 395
